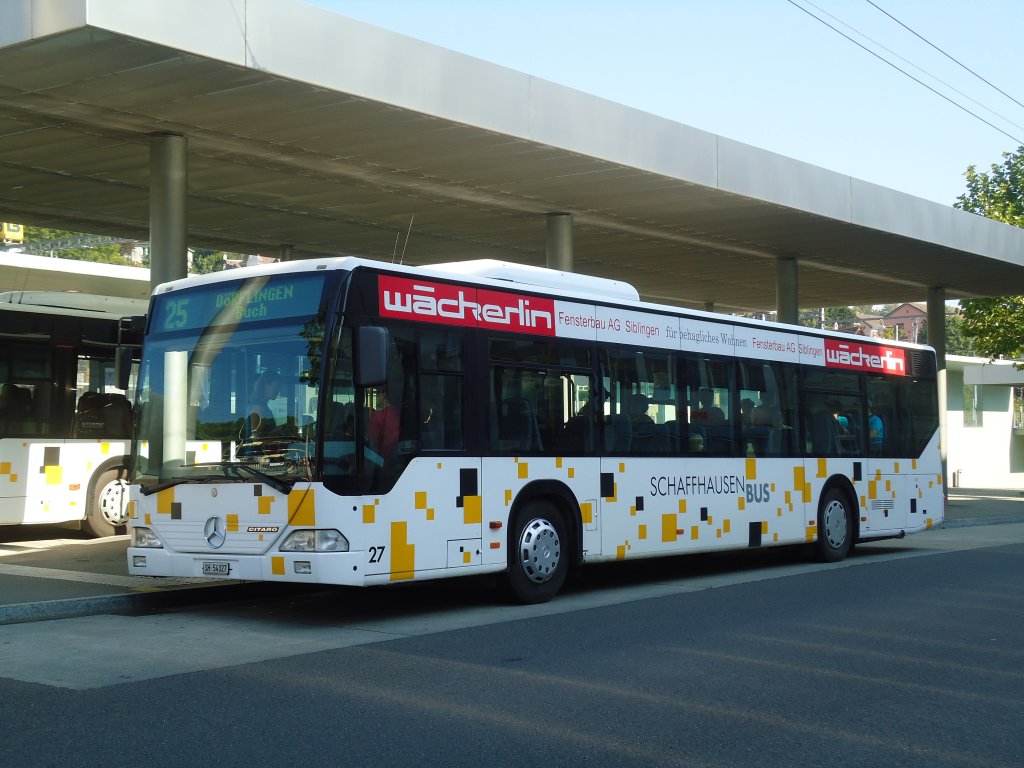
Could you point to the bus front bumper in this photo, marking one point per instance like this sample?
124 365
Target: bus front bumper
343 568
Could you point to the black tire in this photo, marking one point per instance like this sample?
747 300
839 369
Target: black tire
835 527
107 513
538 554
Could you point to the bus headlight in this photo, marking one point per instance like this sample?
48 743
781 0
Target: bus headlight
144 537
327 540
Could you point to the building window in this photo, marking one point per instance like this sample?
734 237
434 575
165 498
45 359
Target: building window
972 405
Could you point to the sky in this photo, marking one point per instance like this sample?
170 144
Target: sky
766 73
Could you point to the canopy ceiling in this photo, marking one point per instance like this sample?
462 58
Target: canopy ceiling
313 130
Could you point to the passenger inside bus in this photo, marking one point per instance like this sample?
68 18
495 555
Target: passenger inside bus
766 414
383 426
822 431
707 411
578 432
841 421
638 405
876 428
261 418
746 412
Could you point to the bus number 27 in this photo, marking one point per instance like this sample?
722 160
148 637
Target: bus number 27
376 554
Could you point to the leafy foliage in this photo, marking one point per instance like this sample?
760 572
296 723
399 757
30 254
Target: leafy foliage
998 194
957 341
202 260
996 326
207 261
109 253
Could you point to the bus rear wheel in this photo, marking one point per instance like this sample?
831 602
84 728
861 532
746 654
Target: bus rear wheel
538 559
108 507
835 527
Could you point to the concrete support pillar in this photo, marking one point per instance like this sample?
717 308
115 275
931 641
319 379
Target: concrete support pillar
786 291
559 226
168 192
937 340
285 254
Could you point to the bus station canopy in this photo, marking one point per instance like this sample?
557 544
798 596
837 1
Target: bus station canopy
316 132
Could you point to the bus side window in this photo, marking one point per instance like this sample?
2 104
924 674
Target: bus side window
888 424
531 391
710 400
643 412
580 412
441 412
440 365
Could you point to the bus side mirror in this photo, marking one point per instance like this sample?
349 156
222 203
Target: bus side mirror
129 339
122 367
371 356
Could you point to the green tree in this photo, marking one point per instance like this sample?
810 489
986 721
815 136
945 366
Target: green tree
109 253
996 325
957 342
204 261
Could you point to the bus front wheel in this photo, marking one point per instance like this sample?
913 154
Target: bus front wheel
108 507
538 558
835 526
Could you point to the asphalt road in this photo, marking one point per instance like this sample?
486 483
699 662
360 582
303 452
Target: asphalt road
909 653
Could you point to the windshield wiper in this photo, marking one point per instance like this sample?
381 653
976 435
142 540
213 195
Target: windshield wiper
150 490
279 485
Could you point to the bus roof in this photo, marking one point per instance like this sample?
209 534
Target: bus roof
541 277
61 302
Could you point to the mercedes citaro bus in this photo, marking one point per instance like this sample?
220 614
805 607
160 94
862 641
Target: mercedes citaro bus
485 417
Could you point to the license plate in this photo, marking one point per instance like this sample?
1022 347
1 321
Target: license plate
216 569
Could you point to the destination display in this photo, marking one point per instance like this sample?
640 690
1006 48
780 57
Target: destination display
264 298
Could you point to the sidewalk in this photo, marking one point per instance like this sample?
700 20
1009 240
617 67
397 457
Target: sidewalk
49 573
69 575
978 506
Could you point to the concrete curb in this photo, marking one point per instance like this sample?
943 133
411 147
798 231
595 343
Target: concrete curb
968 522
134 602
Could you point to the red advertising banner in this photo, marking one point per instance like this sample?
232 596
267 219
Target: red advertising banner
873 358
431 302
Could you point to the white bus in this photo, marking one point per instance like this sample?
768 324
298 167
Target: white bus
419 423
65 425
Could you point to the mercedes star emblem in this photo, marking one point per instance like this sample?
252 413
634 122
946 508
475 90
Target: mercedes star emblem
215 532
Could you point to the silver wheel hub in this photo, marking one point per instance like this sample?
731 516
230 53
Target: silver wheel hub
836 523
539 550
113 502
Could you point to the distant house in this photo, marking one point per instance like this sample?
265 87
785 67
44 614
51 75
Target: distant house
906 321
869 325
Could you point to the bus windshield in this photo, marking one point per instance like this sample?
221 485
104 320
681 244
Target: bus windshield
229 383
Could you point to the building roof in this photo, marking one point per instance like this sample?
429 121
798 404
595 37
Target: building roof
314 130
985 370
27 272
